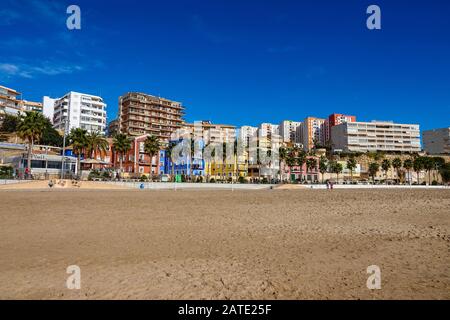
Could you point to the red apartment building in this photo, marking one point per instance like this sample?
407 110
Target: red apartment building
337 119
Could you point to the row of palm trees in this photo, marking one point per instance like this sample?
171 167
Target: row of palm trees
89 143
416 164
32 125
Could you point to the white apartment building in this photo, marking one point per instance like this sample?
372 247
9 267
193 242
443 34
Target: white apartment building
208 131
288 131
79 110
246 133
437 141
268 130
376 136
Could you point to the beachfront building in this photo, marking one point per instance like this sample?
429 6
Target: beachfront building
437 141
136 162
312 132
207 131
76 110
32 106
46 161
376 136
268 130
142 114
300 173
336 119
288 131
9 103
189 166
246 133
113 128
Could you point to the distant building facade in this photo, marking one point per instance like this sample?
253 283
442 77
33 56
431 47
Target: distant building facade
113 128
143 114
437 141
312 132
77 110
336 119
288 131
32 106
9 104
376 136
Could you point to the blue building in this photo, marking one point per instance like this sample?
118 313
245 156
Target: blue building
187 166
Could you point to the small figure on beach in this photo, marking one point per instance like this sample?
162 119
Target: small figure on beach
51 183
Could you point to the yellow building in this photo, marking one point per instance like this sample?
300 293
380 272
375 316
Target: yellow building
221 171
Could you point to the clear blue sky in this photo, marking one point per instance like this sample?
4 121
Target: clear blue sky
238 62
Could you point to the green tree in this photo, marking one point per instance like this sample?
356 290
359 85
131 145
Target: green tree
121 144
351 165
337 168
311 164
439 162
30 128
152 145
290 160
386 165
397 165
51 136
300 159
418 165
10 123
408 165
373 169
169 150
78 140
96 142
445 172
428 165
323 166
282 154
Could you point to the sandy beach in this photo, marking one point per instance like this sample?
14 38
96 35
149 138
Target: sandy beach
266 244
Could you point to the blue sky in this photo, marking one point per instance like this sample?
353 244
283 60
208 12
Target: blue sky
238 62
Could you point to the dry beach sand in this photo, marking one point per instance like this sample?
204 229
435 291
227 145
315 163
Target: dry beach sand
268 244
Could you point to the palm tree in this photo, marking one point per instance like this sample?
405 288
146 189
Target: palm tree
408 164
121 144
337 168
78 140
386 165
31 128
323 166
428 165
351 165
418 166
290 160
152 145
311 164
397 165
439 162
169 151
96 142
282 154
300 159
373 169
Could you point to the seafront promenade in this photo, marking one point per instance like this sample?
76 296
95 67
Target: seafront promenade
126 185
